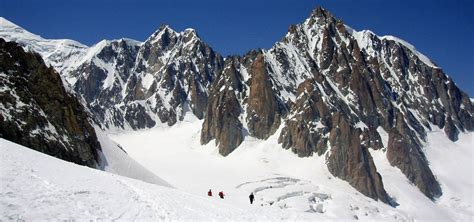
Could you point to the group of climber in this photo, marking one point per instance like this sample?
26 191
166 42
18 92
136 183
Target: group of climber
221 195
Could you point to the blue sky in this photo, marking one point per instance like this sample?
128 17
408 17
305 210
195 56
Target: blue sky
442 30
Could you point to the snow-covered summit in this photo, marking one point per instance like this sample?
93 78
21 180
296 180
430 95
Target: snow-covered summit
422 57
97 48
62 54
367 40
9 28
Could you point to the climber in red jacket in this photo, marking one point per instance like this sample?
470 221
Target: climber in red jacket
209 193
221 194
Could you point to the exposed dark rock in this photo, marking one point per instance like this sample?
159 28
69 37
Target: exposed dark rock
371 139
183 68
37 112
351 161
264 109
405 153
306 128
98 81
170 72
450 129
136 116
221 120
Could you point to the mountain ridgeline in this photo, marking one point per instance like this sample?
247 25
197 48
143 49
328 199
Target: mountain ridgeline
133 85
324 89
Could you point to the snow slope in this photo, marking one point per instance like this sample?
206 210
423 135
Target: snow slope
453 166
36 186
365 41
115 160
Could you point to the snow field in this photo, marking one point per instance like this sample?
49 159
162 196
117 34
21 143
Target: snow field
35 186
279 179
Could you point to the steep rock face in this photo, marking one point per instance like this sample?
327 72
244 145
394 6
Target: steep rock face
264 110
129 84
37 112
100 80
374 80
371 139
307 126
221 121
352 162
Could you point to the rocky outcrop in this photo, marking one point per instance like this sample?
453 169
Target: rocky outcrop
371 138
332 88
99 81
306 128
222 121
404 151
37 112
264 110
351 161
375 83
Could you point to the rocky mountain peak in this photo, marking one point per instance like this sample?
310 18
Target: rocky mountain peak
171 71
320 12
164 28
320 16
164 38
332 90
190 32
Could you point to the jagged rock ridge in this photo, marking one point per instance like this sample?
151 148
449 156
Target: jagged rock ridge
136 85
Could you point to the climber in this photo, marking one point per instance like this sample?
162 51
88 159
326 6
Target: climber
251 197
221 194
209 193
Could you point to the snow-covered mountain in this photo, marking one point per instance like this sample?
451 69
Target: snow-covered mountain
38 112
129 84
324 90
62 54
334 91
